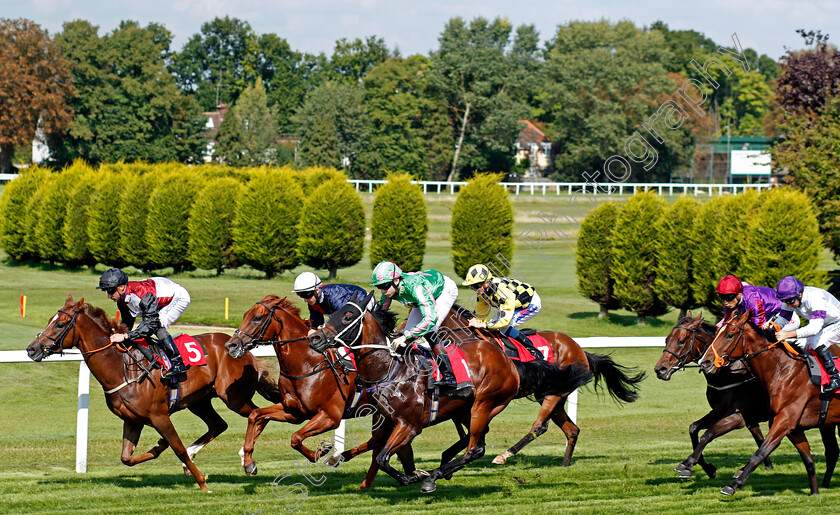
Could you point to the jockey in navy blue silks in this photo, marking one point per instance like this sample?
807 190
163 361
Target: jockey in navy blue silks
323 299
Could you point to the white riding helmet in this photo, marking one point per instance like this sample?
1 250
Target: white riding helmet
306 281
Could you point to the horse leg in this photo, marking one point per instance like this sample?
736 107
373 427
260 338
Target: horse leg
539 427
216 425
799 440
718 428
316 425
774 437
163 425
131 434
401 436
832 452
376 443
257 420
570 429
758 436
693 431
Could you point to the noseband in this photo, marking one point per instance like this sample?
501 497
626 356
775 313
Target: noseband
58 341
684 358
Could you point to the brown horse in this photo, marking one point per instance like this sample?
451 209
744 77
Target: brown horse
567 353
402 394
144 402
735 398
312 388
794 400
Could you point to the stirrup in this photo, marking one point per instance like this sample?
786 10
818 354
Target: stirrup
174 371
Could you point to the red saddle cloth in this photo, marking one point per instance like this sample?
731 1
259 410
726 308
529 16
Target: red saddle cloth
824 378
192 352
522 354
459 364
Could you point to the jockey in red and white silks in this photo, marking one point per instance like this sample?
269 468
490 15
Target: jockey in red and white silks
157 297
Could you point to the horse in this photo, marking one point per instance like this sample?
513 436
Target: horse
139 402
312 389
403 397
736 399
621 386
794 399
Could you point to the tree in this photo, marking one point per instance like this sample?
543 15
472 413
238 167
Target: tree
265 229
332 227
635 239
399 223
247 136
34 87
74 232
50 223
211 225
482 224
132 213
809 79
167 229
13 210
408 122
332 126
352 60
675 273
471 69
103 224
593 257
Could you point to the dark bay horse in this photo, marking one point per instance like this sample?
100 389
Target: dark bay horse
402 393
794 400
145 403
312 389
736 399
567 353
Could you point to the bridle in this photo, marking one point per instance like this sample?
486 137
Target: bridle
721 360
58 341
259 339
685 357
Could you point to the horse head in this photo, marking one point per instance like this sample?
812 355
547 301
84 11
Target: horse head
682 346
54 338
344 326
267 320
729 344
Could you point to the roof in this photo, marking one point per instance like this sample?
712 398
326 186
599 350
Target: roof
215 120
530 134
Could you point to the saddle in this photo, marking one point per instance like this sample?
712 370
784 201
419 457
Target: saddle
818 376
518 352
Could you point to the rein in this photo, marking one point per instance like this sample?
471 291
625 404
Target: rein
259 340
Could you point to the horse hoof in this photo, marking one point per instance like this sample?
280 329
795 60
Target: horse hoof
187 471
680 467
429 486
686 474
499 460
447 477
728 490
251 468
334 461
323 449
418 473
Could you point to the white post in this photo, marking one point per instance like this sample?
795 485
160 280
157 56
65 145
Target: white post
339 438
82 419
571 408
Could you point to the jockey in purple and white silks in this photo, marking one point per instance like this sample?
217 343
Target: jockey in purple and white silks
822 310
759 301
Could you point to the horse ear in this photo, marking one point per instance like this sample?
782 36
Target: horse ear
69 300
368 298
743 317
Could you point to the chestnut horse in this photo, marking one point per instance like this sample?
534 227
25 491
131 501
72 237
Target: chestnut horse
621 386
794 399
312 389
402 394
141 402
736 398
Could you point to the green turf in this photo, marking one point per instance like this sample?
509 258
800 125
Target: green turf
623 460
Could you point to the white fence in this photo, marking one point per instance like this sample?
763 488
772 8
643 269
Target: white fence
83 398
556 188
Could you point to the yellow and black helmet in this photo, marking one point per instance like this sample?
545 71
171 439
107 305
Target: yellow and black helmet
477 274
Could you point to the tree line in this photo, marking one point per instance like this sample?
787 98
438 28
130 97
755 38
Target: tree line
126 95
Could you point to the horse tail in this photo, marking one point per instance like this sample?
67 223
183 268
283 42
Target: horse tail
266 386
620 383
541 378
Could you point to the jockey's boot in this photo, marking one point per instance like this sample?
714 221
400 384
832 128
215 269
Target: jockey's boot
171 350
447 377
828 362
344 358
517 335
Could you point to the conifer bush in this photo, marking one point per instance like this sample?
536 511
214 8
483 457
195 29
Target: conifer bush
167 230
593 257
332 227
265 228
133 212
634 255
34 212
399 223
705 270
482 224
674 267
13 210
50 224
74 232
103 225
314 176
211 225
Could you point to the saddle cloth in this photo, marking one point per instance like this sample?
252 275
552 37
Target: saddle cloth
192 351
517 352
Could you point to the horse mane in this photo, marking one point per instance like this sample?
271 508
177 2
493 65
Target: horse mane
707 327
462 312
386 319
104 321
284 304
767 334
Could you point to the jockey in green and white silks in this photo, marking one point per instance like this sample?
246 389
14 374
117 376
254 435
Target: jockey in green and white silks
430 295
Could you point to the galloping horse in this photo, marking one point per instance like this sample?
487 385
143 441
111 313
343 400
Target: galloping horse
794 400
311 389
567 352
402 392
144 402
737 399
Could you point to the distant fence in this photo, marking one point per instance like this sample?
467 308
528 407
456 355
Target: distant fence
83 397
556 188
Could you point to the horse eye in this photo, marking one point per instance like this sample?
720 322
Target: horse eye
348 317
257 318
729 336
59 324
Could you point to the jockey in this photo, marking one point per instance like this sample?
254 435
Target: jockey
822 310
325 299
158 301
517 303
759 301
430 294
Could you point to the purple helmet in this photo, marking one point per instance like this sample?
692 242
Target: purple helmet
789 287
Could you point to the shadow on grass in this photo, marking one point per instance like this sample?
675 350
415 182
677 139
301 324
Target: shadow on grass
622 320
761 482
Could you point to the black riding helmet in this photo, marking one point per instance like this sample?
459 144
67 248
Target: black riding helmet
112 278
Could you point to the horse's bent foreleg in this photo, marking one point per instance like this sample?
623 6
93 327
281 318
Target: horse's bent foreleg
684 468
778 430
758 436
318 424
131 435
257 420
163 425
402 435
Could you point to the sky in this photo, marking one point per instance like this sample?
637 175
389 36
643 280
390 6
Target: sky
313 26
